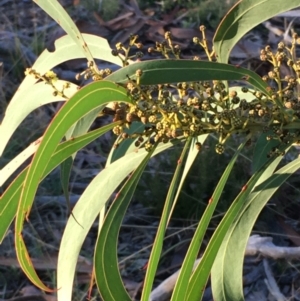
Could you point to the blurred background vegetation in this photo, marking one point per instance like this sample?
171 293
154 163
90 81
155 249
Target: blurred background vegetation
25 19
207 12
153 188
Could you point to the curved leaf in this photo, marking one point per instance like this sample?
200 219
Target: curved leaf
193 152
173 71
30 100
226 276
107 273
10 198
83 102
180 289
76 130
159 238
87 209
242 17
201 273
63 19
65 49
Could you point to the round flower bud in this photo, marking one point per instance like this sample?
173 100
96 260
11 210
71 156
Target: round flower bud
114 52
198 146
232 93
168 35
219 148
196 40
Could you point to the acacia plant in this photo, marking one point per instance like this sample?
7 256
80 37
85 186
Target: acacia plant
155 104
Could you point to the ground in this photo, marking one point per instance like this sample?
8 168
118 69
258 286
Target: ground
25 31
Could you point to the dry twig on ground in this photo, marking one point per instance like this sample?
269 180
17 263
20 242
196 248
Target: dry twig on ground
257 245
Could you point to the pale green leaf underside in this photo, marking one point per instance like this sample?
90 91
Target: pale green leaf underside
10 198
27 96
83 102
32 98
57 13
86 210
181 288
245 15
226 276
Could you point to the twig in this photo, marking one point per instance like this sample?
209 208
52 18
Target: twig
271 283
264 246
257 245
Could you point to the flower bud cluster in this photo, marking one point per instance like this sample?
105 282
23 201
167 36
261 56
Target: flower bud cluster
49 78
189 109
93 73
124 52
166 47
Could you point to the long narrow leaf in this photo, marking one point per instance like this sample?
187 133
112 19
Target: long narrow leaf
107 273
173 71
226 277
86 210
29 100
245 15
10 198
180 289
57 13
159 238
201 273
77 129
193 152
65 49
86 100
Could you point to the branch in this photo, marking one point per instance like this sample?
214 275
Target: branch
257 245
